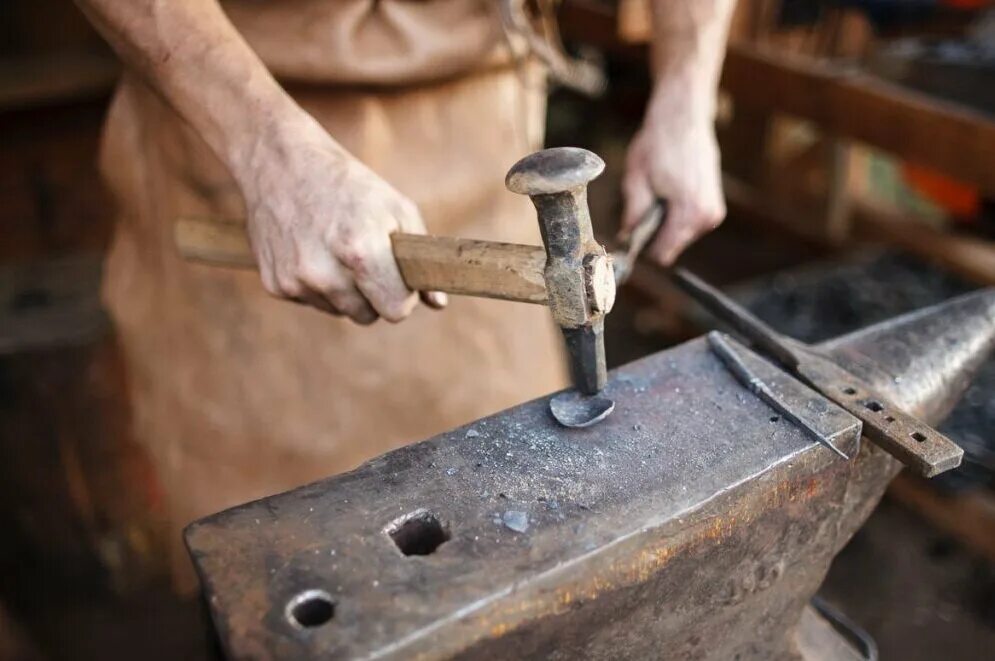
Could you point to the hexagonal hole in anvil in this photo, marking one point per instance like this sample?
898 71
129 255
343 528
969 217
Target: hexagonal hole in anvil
417 533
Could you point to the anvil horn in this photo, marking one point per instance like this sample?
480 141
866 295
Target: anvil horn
924 360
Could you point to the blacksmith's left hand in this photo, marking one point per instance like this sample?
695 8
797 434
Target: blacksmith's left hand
675 157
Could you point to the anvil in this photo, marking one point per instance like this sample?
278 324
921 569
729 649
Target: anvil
693 523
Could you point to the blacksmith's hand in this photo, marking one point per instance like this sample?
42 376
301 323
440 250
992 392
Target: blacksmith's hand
320 223
675 157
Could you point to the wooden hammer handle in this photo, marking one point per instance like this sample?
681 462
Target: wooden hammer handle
489 269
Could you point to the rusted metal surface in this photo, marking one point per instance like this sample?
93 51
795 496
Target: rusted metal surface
923 361
911 441
691 523
908 439
725 349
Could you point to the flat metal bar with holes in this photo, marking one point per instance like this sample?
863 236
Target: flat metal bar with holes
689 524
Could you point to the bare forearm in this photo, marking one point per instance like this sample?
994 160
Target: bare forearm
190 53
689 48
319 220
675 156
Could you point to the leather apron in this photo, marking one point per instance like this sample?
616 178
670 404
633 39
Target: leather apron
235 395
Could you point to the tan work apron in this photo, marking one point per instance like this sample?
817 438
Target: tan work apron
236 395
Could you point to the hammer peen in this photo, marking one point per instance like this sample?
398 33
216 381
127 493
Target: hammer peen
571 273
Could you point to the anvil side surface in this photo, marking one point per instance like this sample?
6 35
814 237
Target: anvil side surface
606 509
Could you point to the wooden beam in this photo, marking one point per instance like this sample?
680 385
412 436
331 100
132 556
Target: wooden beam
946 136
953 139
968 256
968 517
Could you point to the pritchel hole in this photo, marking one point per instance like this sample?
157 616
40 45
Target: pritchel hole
418 533
874 406
918 436
850 391
311 608
889 419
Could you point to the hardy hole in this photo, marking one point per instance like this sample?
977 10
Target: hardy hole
418 533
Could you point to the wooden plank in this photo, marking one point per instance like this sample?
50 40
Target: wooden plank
757 207
953 139
968 256
597 24
917 127
214 242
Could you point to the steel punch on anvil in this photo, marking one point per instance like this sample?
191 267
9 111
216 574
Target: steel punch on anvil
577 278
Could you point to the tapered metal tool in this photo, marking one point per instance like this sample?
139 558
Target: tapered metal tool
723 348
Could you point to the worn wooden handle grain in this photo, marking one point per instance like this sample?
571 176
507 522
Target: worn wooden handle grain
507 271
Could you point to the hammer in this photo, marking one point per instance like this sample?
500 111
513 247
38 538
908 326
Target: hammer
571 273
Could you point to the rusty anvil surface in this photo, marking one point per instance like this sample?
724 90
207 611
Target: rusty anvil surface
694 522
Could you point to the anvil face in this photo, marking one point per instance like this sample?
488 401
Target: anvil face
693 513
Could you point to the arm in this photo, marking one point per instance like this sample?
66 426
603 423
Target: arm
675 155
319 220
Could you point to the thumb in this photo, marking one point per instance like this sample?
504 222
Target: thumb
434 299
410 221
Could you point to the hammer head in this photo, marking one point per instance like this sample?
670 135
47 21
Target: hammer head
580 283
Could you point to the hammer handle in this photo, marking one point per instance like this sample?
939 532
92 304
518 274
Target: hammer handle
488 269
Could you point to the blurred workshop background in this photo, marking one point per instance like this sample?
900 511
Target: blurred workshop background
858 141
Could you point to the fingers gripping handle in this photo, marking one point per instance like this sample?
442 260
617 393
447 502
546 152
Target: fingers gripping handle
488 269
